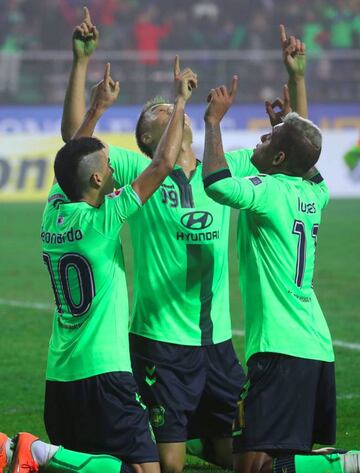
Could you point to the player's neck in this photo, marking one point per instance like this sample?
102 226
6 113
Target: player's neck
95 199
186 159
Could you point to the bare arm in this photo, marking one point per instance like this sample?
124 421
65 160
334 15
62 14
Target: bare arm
220 100
295 98
85 40
294 58
104 94
169 146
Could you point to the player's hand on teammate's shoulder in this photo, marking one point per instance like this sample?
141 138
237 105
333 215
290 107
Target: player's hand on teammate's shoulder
278 109
106 92
185 81
85 37
293 53
220 100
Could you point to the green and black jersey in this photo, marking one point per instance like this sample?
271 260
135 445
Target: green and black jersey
83 254
180 243
277 232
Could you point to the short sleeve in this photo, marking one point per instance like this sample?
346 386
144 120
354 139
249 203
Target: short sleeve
127 164
321 190
121 204
254 193
240 164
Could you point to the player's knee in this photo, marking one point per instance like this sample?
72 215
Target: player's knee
145 468
172 457
171 464
252 462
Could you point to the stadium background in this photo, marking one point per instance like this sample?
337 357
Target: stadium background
216 38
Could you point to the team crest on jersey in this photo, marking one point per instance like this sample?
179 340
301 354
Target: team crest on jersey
115 194
157 416
255 180
60 220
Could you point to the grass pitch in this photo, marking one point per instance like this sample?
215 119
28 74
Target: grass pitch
25 328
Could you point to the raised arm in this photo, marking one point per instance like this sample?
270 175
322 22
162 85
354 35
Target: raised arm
295 99
104 94
220 100
169 146
84 42
294 58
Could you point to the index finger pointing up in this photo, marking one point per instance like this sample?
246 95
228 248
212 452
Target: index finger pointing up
176 66
234 87
87 18
282 33
107 73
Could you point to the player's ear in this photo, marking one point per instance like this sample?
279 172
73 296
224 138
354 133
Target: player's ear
279 159
95 180
146 138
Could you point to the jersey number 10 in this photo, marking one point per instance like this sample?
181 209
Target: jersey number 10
85 282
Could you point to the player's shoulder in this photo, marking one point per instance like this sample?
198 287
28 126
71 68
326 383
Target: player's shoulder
122 198
120 152
56 196
261 183
318 187
239 153
258 179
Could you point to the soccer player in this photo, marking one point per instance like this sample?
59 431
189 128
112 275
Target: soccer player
182 355
91 400
288 402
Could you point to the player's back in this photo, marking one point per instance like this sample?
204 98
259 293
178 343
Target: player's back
83 254
277 241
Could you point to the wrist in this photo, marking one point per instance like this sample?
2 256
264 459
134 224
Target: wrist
211 121
180 101
296 78
81 60
96 110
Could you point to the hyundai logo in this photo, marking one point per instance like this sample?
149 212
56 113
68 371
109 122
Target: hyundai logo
197 220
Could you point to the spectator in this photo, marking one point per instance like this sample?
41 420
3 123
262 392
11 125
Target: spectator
148 35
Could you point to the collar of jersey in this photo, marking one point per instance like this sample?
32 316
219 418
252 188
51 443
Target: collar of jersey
192 174
179 167
68 205
287 177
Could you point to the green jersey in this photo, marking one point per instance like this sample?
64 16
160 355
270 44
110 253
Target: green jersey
83 254
277 234
180 243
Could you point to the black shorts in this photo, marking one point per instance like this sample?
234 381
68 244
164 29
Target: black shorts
103 414
288 403
191 392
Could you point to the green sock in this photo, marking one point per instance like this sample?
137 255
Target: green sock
195 447
68 461
318 463
309 464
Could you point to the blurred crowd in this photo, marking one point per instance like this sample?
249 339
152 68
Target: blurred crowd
156 25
